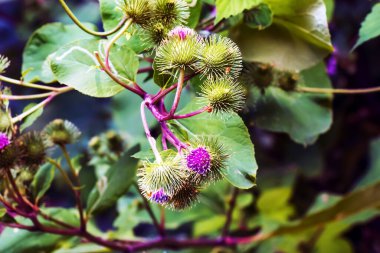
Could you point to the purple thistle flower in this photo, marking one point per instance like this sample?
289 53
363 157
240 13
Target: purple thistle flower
199 160
160 197
4 141
181 32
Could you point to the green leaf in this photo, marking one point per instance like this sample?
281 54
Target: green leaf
42 181
259 17
365 201
302 116
84 248
195 13
116 183
330 6
233 134
41 46
228 8
298 38
76 66
111 16
22 241
373 174
125 62
209 226
370 26
29 120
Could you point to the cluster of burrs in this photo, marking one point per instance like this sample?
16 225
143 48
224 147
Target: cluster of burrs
30 150
174 179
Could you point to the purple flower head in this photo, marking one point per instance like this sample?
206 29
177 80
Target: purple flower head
199 160
160 197
4 141
181 32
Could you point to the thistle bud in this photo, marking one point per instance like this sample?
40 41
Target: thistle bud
288 80
115 142
223 94
178 50
140 11
9 155
156 33
167 176
259 74
171 12
4 63
61 132
207 158
32 148
218 57
184 198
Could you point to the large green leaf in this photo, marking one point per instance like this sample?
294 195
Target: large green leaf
302 116
195 13
370 26
228 8
117 181
233 134
42 181
44 42
76 66
298 38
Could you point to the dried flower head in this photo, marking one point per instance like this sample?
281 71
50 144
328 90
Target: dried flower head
258 74
218 57
4 63
178 50
140 11
9 156
168 176
288 80
223 94
184 198
32 148
171 12
212 159
61 132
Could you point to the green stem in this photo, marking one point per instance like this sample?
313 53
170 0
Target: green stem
26 97
337 91
114 39
84 28
26 84
77 191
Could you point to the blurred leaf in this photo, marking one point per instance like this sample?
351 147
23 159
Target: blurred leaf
243 200
361 201
23 241
45 41
118 179
76 66
228 8
330 6
370 26
302 116
259 17
373 174
84 248
298 26
31 118
195 13
233 135
274 208
209 226
42 181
